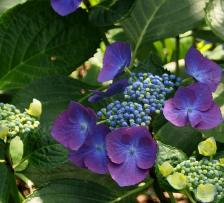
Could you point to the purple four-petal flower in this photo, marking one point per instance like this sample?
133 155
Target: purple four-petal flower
116 58
202 69
74 125
115 88
65 7
193 105
92 154
132 152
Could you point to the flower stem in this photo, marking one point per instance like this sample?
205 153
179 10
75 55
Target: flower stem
188 194
132 192
100 122
127 70
172 199
177 54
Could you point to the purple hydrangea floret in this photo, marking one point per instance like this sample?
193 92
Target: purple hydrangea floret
132 152
73 126
202 69
116 58
65 7
193 105
115 88
92 154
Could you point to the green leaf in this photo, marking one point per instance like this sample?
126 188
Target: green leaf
16 150
184 138
171 154
71 191
55 93
217 133
36 42
74 190
156 19
109 12
215 17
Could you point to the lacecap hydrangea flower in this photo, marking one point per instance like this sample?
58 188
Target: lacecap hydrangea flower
126 153
203 70
65 7
132 152
193 105
115 88
116 58
92 154
73 126
207 147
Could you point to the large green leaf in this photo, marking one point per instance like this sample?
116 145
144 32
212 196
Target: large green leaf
215 17
35 42
55 93
184 138
109 12
73 190
155 19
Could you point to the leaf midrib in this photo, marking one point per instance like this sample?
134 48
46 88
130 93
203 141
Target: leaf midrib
140 39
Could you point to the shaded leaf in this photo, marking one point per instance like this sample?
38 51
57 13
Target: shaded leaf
215 17
109 12
156 19
36 42
184 138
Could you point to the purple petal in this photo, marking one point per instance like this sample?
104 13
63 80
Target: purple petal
194 118
211 118
175 116
116 146
196 96
73 126
115 88
146 154
92 154
116 58
65 7
128 173
184 98
202 69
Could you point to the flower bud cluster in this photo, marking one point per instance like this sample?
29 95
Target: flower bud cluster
123 114
150 90
17 122
203 172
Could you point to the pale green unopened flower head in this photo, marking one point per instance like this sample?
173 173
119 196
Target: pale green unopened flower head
35 108
166 168
3 132
177 180
207 147
206 192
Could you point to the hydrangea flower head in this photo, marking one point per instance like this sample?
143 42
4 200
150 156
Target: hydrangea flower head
132 152
73 126
193 105
92 154
65 7
202 69
207 147
115 88
177 180
116 58
206 192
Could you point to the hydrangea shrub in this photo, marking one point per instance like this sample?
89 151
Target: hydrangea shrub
87 88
